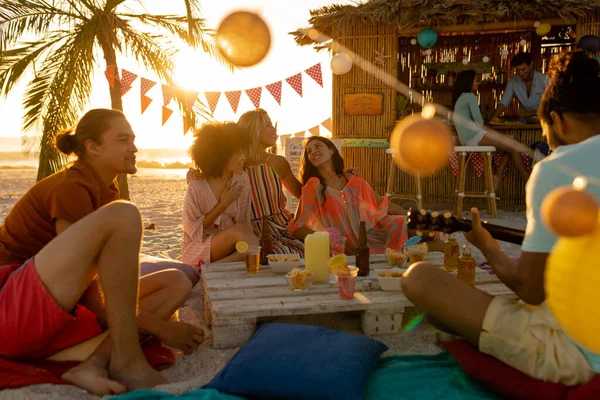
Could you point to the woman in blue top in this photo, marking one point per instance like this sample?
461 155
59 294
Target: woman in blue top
465 104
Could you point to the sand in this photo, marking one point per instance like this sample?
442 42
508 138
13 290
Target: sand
159 195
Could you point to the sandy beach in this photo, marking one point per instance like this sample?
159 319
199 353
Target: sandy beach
159 195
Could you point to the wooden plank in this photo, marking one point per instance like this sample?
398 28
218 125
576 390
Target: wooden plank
487 27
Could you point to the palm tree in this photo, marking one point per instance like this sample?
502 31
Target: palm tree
70 36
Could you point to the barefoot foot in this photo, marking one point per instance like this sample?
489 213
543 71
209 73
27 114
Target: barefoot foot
138 375
94 379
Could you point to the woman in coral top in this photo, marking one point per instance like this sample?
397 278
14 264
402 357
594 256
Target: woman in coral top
332 198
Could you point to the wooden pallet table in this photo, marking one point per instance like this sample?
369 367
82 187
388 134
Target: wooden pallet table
235 301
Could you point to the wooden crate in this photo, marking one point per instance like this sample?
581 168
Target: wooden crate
235 301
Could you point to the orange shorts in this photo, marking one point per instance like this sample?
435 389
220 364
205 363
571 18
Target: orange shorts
32 325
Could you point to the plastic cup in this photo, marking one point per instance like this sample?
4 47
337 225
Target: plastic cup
415 254
347 284
338 247
253 259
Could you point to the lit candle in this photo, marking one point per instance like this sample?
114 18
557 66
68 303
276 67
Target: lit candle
316 249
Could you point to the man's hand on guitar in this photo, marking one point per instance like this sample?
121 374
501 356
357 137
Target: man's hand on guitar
478 236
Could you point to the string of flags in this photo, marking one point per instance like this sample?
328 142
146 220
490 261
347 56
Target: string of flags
314 131
212 98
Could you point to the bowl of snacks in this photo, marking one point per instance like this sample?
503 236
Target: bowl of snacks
283 263
396 258
389 279
299 279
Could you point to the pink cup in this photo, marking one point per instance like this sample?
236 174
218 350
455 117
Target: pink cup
347 284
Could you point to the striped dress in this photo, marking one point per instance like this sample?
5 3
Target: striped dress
344 209
199 200
269 200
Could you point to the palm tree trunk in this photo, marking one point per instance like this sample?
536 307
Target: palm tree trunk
115 101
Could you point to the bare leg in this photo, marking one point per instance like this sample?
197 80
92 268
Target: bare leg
107 241
222 245
514 155
441 296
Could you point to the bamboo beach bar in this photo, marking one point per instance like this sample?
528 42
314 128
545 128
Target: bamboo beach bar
482 35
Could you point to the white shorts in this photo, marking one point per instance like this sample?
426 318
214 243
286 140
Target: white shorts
530 339
475 141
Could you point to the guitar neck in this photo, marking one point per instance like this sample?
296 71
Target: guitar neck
498 232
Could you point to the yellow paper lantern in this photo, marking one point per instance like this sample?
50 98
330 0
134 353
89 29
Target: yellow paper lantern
543 29
243 38
570 212
421 145
572 280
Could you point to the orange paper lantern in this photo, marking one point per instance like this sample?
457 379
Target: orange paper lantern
421 145
243 39
570 212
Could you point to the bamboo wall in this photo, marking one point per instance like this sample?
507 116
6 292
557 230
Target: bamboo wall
589 25
364 40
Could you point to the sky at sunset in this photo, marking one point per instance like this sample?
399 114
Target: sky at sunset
196 71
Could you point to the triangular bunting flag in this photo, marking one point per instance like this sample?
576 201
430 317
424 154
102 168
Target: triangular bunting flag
314 130
166 113
299 134
275 90
284 139
124 89
127 78
327 124
213 99
111 73
295 81
254 95
145 102
168 94
190 98
234 99
145 85
315 73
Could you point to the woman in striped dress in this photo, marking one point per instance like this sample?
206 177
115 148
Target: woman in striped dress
268 174
216 209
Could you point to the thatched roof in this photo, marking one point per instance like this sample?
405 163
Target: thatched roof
408 14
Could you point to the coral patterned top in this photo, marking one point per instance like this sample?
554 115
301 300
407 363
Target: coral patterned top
345 209
198 202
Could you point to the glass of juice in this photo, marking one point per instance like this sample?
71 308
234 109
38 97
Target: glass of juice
415 254
347 283
252 259
338 247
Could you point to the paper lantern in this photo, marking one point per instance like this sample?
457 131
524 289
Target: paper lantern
571 282
537 24
569 212
341 63
485 59
421 145
413 41
543 29
465 61
523 42
589 43
427 37
243 38
504 52
428 52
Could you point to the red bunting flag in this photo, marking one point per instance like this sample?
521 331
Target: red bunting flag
314 130
275 90
190 98
166 113
145 85
315 73
213 99
234 99
295 81
145 102
168 94
112 74
254 95
327 124
127 78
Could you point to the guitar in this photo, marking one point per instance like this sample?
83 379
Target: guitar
447 223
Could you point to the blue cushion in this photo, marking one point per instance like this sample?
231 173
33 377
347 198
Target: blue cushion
300 362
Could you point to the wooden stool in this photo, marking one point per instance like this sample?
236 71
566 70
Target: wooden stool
464 155
417 197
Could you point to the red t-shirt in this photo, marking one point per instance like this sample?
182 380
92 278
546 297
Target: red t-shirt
70 195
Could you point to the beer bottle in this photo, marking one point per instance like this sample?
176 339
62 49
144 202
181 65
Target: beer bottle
362 251
266 243
466 266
